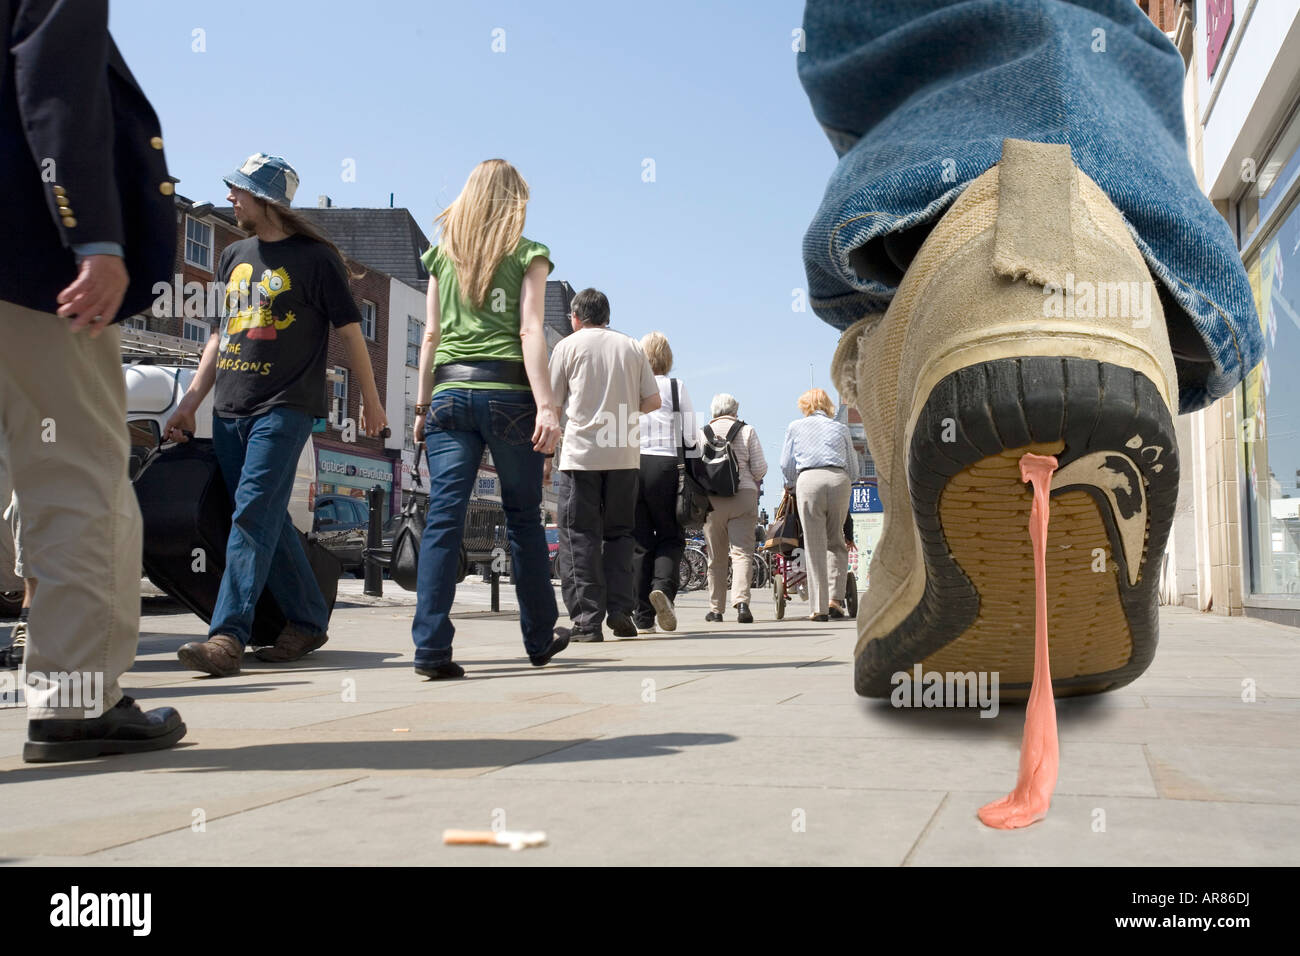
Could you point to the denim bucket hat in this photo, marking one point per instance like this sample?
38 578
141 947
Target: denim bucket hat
266 177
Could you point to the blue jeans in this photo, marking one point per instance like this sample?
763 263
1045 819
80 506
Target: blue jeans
460 422
916 97
259 458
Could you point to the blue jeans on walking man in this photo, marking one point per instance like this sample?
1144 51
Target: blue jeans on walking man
460 423
258 456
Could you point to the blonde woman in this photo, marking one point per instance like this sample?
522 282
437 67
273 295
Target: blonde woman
659 538
820 466
483 381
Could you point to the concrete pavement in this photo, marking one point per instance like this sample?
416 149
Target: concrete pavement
732 745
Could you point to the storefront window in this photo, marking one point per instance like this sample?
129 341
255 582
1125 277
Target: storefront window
1270 423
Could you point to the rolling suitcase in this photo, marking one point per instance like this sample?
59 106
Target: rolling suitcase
186 512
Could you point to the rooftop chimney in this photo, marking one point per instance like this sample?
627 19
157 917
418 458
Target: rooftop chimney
324 202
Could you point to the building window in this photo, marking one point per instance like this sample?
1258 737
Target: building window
414 336
339 395
869 468
368 319
137 322
196 331
198 243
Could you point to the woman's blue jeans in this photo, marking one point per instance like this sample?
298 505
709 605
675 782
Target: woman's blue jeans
917 96
460 422
259 459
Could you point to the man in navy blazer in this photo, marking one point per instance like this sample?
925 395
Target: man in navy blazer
89 228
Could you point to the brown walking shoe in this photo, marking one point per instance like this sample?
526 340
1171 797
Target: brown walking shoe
294 642
220 655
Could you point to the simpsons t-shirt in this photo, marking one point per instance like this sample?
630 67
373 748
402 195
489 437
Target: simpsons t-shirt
281 299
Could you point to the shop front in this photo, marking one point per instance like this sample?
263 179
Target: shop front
352 474
1270 395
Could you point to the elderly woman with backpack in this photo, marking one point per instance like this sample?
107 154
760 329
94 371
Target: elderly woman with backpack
730 468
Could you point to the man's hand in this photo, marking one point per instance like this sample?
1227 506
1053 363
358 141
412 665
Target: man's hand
375 422
182 421
547 430
419 428
95 295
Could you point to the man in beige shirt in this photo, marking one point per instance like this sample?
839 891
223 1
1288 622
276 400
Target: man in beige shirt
603 383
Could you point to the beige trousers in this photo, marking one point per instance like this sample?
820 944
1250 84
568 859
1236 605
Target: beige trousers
823 495
63 435
729 530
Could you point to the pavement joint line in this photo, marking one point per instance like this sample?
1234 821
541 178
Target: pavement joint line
589 710
926 829
222 816
545 753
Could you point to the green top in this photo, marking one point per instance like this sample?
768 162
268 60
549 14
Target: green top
489 332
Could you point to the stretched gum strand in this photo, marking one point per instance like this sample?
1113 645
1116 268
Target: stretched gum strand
1040 755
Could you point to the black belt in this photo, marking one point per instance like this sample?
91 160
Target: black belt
500 371
812 467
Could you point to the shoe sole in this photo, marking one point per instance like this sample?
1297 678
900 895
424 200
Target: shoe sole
63 750
665 616
197 662
1110 429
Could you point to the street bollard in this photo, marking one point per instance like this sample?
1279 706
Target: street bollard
374 573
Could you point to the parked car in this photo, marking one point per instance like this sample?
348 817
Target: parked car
340 522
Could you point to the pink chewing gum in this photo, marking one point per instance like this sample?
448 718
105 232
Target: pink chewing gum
1040 755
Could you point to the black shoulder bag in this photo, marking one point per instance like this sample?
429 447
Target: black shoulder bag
692 502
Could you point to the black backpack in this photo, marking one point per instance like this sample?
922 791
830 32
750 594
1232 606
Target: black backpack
716 469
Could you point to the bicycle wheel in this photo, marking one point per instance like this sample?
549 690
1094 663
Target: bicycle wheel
851 596
778 592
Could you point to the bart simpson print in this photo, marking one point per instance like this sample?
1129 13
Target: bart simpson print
249 308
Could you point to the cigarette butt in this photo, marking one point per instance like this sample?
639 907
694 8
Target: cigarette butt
515 839
401 730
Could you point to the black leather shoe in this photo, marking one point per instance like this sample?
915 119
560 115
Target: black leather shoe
742 610
558 643
585 637
622 624
123 729
819 618
713 617
440 671
835 614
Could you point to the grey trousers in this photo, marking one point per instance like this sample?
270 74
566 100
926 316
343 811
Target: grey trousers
596 515
63 434
823 495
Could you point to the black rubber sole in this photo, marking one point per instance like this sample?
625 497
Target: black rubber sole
985 409
35 751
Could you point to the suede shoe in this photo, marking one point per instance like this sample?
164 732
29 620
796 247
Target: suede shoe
445 671
742 613
293 643
122 729
713 617
220 655
558 643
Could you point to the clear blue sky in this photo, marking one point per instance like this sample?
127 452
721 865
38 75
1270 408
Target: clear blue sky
411 90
